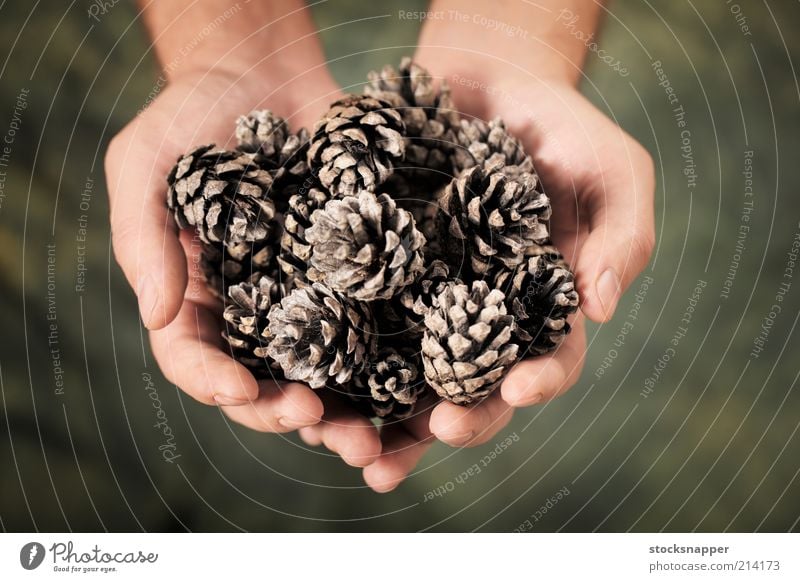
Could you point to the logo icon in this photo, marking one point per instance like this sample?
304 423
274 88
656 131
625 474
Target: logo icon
31 555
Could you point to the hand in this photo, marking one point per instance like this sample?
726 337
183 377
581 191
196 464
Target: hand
601 185
199 106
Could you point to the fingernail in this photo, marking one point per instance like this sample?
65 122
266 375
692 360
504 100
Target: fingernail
227 400
608 291
294 423
147 294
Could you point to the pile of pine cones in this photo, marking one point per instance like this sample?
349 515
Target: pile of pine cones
396 248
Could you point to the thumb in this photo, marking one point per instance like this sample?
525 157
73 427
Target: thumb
144 234
620 241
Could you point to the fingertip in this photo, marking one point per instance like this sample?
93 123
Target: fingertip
523 400
160 294
543 378
447 424
591 308
520 389
353 437
299 405
310 435
601 298
365 454
382 478
149 298
233 384
403 446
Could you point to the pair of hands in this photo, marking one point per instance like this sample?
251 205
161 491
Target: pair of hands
599 179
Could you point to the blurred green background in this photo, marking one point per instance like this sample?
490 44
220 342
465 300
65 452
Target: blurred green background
713 446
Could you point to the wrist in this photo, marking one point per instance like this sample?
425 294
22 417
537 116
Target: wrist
268 40
516 44
483 90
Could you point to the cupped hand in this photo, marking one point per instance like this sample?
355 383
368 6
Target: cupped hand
199 107
600 182
601 185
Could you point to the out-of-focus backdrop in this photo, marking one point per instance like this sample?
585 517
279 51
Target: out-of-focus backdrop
703 436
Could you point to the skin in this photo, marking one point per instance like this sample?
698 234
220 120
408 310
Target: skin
599 179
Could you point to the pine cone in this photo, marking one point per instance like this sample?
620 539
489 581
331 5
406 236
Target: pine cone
389 386
319 336
224 266
417 194
355 145
476 141
428 113
364 246
295 249
223 194
247 331
488 220
410 86
262 132
415 301
541 294
268 136
221 271
467 347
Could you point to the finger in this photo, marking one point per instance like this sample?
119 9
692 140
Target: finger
621 235
197 289
311 435
144 235
460 426
538 380
349 434
404 444
189 352
279 408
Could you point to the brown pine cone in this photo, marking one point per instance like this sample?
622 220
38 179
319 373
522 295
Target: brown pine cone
541 294
428 113
488 220
295 250
221 270
247 332
262 132
355 145
415 301
390 385
467 347
476 141
364 246
224 195
320 336
417 194
224 266
267 135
